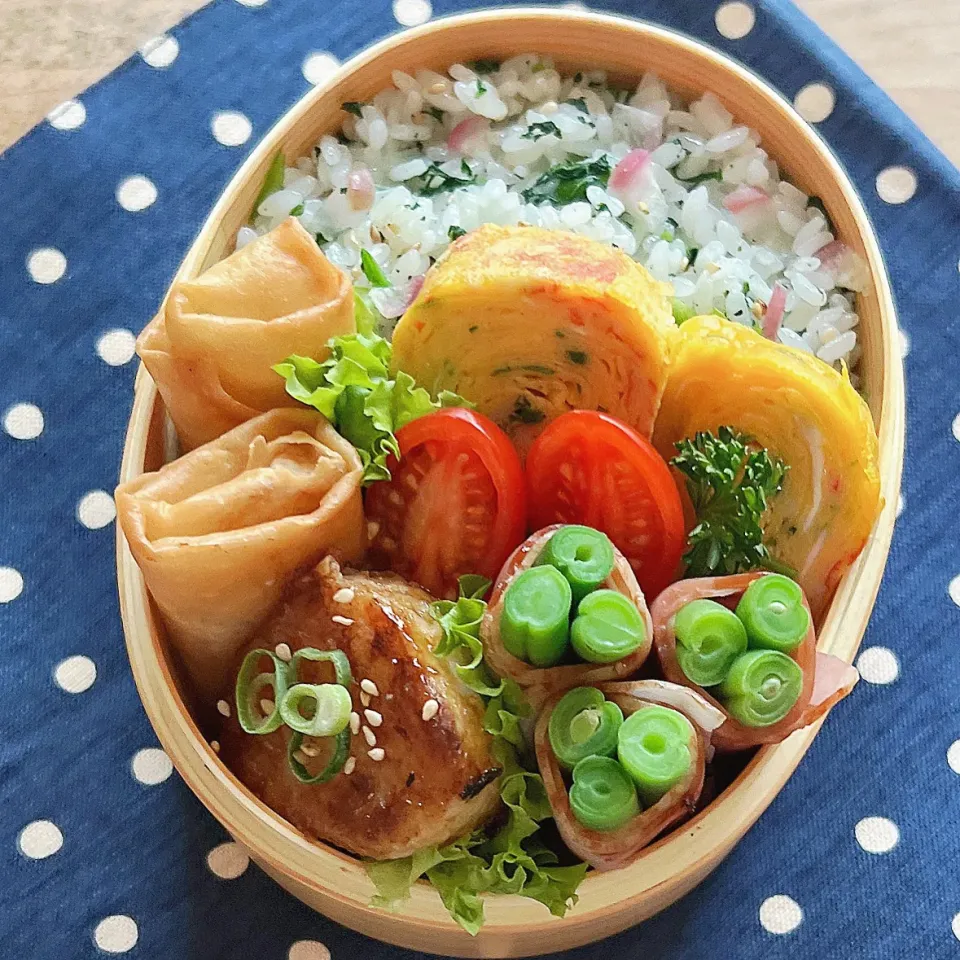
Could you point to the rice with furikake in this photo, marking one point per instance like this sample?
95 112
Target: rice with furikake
682 187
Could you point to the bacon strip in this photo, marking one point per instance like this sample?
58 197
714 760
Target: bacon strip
610 850
826 679
541 682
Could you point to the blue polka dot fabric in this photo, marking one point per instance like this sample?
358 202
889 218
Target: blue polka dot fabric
102 848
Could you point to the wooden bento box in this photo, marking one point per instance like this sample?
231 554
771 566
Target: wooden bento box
333 882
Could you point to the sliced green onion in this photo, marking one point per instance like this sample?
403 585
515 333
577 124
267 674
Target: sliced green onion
341 750
535 621
681 312
272 182
709 638
608 627
583 724
341 663
372 271
762 687
331 708
654 747
583 555
773 613
602 796
251 683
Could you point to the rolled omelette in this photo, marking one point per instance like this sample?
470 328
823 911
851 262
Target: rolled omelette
801 410
212 346
529 323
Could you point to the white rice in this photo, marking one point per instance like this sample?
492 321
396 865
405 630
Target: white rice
525 124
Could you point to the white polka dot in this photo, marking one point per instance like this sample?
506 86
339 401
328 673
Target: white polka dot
75 674
955 926
904 343
23 421
151 766
46 265
116 934
411 13
40 839
160 51
735 20
117 347
953 757
780 914
230 128
228 861
96 509
815 102
956 428
878 665
901 503
11 584
68 115
319 67
896 184
954 589
136 193
308 950
877 834
251 3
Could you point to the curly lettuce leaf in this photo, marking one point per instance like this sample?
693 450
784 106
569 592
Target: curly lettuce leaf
353 389
365 314
460 621
512 859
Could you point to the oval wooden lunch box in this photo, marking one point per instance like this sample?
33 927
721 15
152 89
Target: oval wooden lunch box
332 882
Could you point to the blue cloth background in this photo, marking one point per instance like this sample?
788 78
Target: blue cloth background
140 850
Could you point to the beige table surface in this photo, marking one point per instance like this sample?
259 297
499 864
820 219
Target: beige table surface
50 50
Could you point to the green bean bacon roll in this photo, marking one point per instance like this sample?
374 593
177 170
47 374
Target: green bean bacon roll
622 762
747 644
566 610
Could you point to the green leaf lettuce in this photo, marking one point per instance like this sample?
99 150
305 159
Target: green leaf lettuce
355 391
511 858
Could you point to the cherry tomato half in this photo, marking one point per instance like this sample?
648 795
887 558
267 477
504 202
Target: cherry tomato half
455 503
591 468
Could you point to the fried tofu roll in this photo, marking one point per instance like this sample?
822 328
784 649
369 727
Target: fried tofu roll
217 532
211 349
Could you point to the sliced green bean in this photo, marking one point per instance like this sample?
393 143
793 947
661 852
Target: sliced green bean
761 687
709 638
608 627
583 724
535 621
602 796
773 613
654 747
583 555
